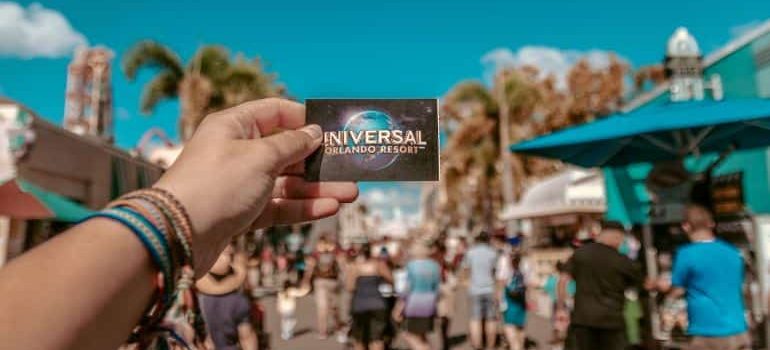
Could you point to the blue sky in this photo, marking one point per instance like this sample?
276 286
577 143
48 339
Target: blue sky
401 48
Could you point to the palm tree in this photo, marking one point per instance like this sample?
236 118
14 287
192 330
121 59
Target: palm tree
475 156
482 123
517 99
209 82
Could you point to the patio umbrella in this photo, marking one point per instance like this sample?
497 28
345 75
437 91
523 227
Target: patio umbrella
21 199
660 132
20 204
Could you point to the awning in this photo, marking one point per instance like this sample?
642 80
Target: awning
23 200
19 204
572 191
660 132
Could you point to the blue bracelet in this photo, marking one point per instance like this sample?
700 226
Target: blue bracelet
168 274
150 237
155 230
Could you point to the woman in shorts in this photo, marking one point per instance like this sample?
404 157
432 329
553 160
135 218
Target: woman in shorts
368 307
417 307
515 313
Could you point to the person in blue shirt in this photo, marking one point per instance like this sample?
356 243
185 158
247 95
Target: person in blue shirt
709 273
416 309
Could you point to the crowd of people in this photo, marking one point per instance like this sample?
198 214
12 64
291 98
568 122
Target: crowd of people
408 293
707 272
411 294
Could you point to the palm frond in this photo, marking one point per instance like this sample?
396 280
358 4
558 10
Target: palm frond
164 86
211 61
469 94
247 80
151 54
521 95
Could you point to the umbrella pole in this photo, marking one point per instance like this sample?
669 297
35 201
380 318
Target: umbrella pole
650 259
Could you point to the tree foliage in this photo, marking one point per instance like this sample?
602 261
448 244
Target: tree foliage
209 82
471 160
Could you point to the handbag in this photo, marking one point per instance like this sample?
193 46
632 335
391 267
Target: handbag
516 289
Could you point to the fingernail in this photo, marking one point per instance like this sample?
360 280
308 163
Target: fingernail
313 130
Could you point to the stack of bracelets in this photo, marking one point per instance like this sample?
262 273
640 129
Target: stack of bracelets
161 223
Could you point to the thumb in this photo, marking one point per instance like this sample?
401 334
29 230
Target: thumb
289 146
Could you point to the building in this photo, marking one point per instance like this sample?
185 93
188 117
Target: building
652 196
52 177
88 99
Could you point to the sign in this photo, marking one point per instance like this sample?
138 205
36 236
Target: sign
727 195
374 140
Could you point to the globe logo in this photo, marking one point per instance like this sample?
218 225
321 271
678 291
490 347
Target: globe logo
371 120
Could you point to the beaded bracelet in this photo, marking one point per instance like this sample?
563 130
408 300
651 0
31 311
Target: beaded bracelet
143 231
163 226
155 216
151 237
174 212
177 205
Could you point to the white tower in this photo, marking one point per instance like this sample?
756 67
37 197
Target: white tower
684 66
88 103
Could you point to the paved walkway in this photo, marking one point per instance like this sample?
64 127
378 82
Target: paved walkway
538 328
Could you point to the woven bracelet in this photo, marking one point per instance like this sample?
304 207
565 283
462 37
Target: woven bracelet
150 240
187 222
154 214
154 248
174 212
153 240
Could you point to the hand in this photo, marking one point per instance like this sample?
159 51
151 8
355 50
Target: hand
397 315
650 284
231 175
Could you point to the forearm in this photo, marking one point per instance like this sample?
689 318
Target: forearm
87 288
350 280
500 289
675 292
561 289
387 276
309 271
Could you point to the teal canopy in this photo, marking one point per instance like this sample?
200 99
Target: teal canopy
660 132
63 208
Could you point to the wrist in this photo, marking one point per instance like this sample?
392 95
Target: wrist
205 247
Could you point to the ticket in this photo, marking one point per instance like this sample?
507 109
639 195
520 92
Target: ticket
374 140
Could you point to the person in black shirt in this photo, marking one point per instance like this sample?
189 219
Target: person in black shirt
601 276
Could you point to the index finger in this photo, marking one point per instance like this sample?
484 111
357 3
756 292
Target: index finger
259 118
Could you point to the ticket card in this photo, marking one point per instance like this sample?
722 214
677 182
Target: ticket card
374 140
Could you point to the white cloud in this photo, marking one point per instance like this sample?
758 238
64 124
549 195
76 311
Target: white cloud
376 196
396 205
36 31
549 60
387 201
741 29
391 197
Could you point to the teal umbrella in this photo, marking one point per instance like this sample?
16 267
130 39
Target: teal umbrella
660 132
63 208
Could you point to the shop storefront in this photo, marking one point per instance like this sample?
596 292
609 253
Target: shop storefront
738 186
551 215
60 175
700 137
